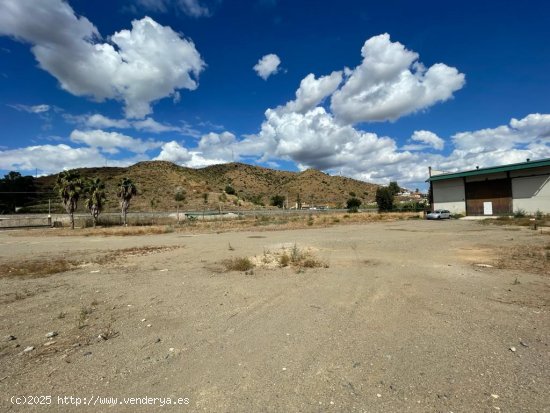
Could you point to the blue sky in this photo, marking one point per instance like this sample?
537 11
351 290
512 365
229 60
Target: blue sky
377 91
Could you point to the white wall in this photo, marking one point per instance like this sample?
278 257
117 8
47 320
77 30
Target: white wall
531 193
449 194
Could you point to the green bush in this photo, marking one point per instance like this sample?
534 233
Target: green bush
353 204
278 201
384 198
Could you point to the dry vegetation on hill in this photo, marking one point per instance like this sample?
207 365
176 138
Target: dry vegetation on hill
159 181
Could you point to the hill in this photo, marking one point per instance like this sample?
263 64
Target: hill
159 181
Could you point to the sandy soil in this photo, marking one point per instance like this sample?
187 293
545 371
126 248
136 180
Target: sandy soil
403 319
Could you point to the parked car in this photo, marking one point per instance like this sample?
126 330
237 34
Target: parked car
439 214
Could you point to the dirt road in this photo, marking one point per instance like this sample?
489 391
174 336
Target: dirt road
401 320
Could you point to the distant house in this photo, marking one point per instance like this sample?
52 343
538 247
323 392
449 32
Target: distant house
498 190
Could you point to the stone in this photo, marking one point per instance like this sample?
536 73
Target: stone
513 349
11 338
51 334
524 344
49 343
28 349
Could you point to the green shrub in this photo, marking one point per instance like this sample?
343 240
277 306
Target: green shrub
278 201
384 198
353 204
519 213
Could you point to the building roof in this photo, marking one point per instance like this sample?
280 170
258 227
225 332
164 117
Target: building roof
492 170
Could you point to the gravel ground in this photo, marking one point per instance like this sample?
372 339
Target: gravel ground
399 317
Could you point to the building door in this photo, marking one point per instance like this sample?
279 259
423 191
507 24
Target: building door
498 192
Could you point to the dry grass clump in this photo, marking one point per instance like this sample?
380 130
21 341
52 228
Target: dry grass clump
243 223
238 264
36 268
294 257
517 221
535 259
42 267
127 231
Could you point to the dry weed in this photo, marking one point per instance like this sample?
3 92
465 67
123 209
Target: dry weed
238 264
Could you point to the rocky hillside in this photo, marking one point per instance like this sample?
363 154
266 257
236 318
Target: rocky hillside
158 182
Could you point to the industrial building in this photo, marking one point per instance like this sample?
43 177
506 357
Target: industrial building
499 190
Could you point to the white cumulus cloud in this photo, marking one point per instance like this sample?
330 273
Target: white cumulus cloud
50 158
426 139
99 121
267 66
111 142
312 91
151 125
137 66
391 83
174 152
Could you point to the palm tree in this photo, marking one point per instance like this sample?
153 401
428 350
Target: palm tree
126 190
95 190
69 188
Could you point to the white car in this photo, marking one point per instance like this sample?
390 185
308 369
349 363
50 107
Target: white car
439 214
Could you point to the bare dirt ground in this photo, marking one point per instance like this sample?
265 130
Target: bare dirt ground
399 317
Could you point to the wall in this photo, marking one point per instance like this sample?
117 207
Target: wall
531 193
449 194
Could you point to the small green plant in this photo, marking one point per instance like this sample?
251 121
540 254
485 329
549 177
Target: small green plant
539 214
310 221
519 213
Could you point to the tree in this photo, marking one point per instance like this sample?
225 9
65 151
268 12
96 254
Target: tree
15 190
69 187
353 204
229 190
394 188
95 197
126 190
384 198
278 200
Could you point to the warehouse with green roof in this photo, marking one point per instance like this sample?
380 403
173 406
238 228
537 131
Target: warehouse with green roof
498 190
